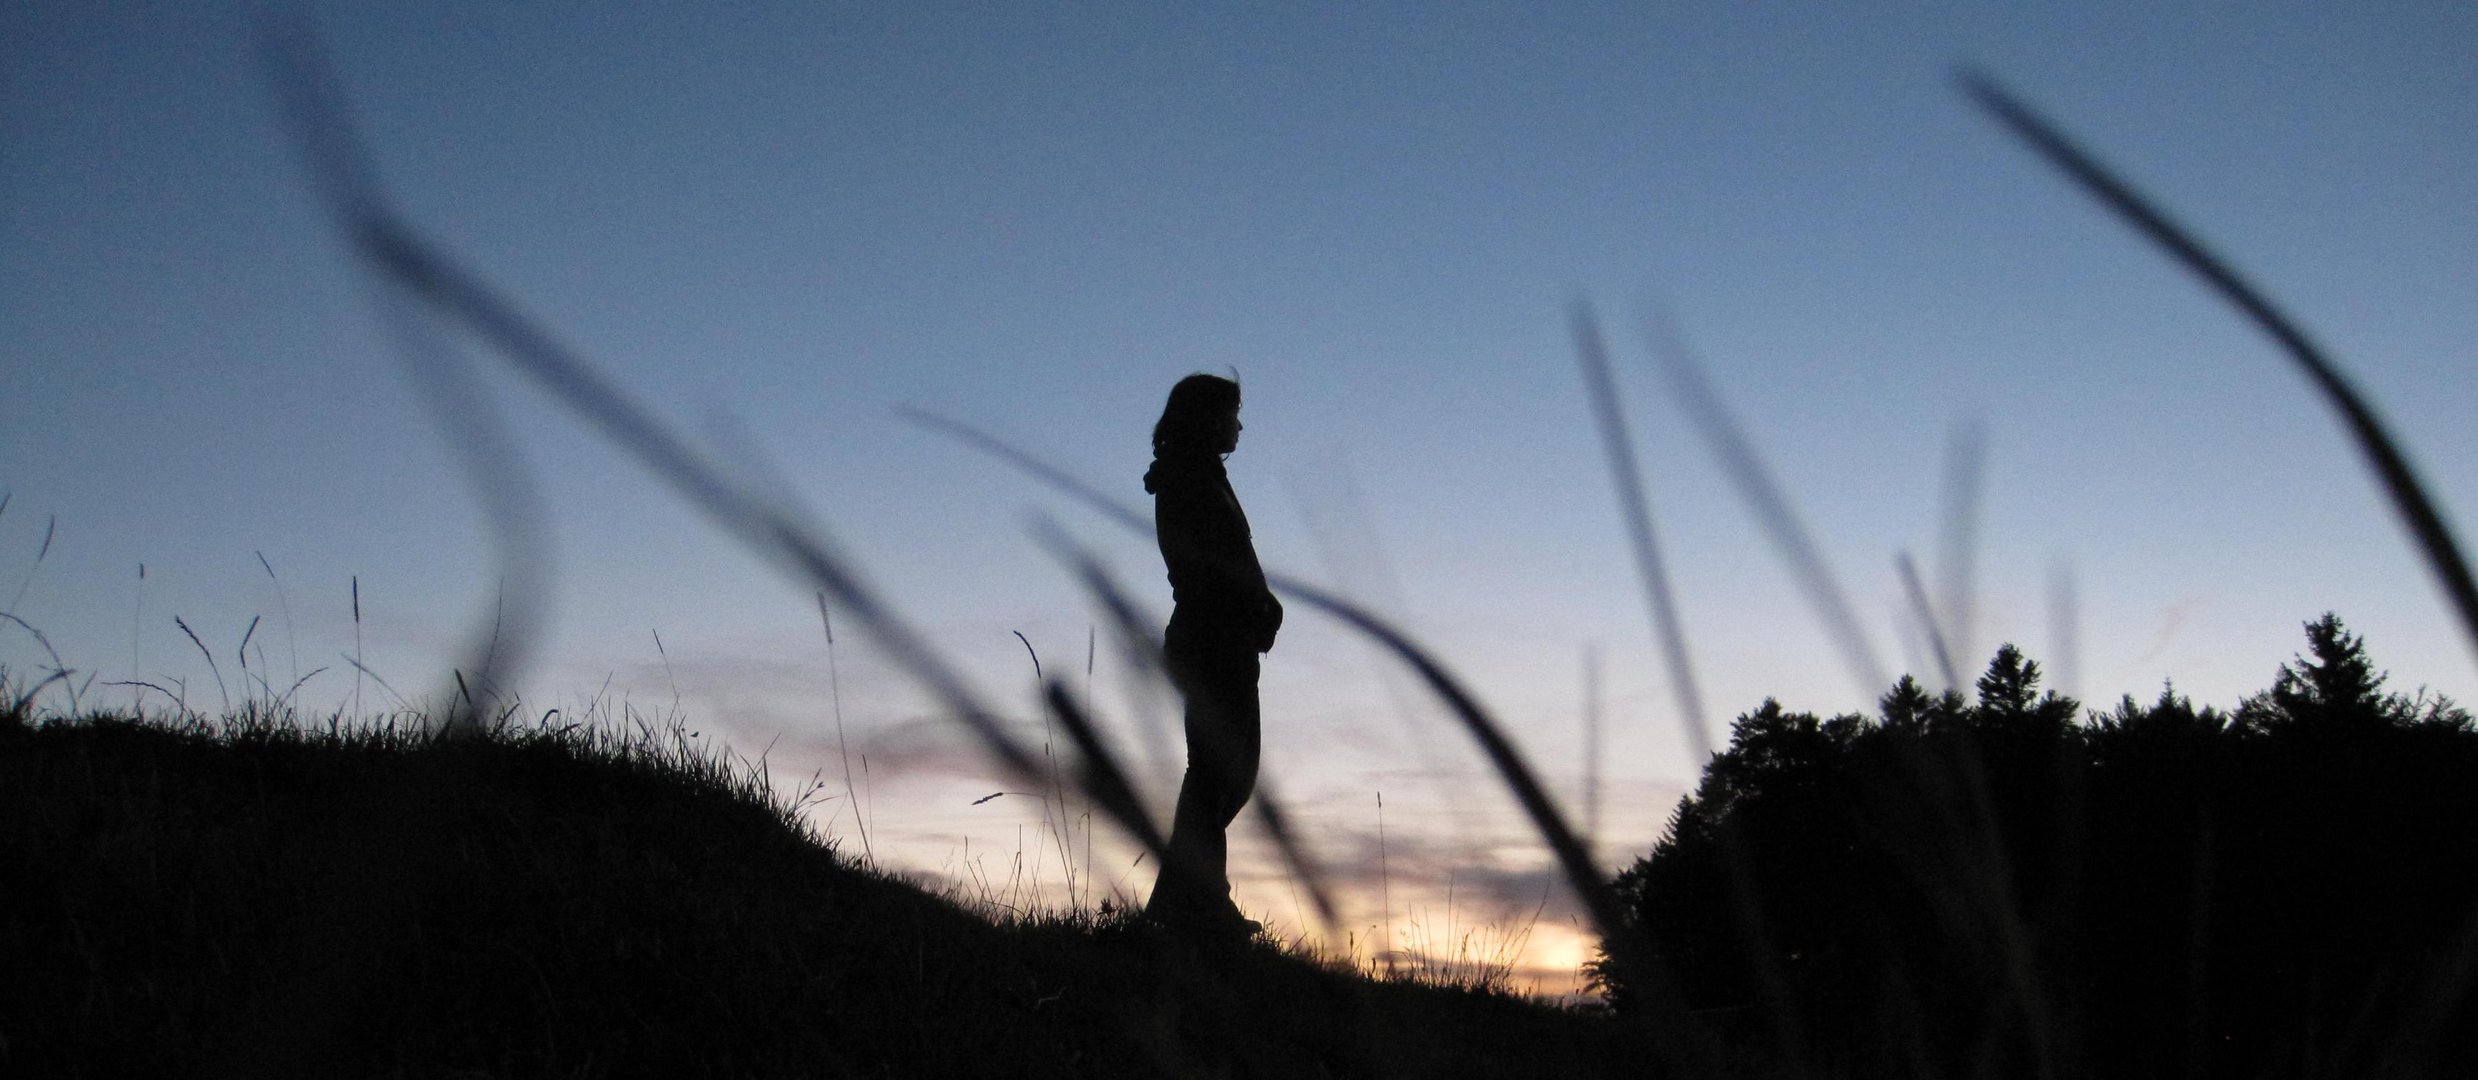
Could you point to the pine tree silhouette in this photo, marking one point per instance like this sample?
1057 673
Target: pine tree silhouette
1994 888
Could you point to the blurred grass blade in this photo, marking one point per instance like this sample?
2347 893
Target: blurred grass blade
2064 626
1353 559
1601 386
1774 513
1098 771
1683 1044
341 168
1754 932
49 527
1040 470
2418 513
1768 502
409 260
1957 542
402 254
1137 641
1925 612
1269 813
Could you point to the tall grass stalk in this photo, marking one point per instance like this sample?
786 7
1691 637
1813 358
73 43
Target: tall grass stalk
1635 505
1776 515
241 652
1668 628
2419 516
1056 791
49 526
1924 610
834 688
283 607
359 669
1962 492
669 678
1385 885
137 619
2064 623
212 669
58 673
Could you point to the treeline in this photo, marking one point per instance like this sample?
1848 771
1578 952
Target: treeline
2012 886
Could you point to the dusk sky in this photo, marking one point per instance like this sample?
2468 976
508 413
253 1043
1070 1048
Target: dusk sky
779 223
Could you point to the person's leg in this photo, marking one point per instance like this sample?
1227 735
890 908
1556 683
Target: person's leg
1223 744
1240 733
1229 734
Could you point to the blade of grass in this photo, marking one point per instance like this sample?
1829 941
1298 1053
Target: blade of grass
834 685
1957 542
1925 611
49 527
283 607
363 669
315 108
2418 513
137 620
1765 499
1347 550
1822 589
410 262
1617 442
210 659
2064 626
1057 790
1098 771
59 671
243 650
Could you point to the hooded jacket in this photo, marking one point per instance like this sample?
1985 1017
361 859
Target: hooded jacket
1217 586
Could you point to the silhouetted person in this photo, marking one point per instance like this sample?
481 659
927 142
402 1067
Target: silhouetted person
1223 616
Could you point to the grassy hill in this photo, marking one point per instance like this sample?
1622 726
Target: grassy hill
249 898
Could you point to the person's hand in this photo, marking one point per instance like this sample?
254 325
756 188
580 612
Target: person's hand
1268 622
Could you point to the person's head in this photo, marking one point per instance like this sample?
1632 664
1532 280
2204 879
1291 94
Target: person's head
1202 416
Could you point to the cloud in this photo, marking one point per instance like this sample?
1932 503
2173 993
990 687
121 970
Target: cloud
1488 877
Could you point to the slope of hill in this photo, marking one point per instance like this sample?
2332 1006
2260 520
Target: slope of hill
250 899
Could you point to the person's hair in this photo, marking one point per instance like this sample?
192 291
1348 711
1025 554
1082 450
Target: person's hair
1193 414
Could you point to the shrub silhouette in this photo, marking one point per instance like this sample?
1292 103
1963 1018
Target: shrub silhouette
1957 888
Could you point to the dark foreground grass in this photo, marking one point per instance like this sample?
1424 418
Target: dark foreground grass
249 898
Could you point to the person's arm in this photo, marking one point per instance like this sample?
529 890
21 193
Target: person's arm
1268 618
1204 538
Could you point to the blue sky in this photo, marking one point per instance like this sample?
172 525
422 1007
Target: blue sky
781 222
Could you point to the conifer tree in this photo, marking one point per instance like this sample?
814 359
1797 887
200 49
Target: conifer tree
2339 690
2009 698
